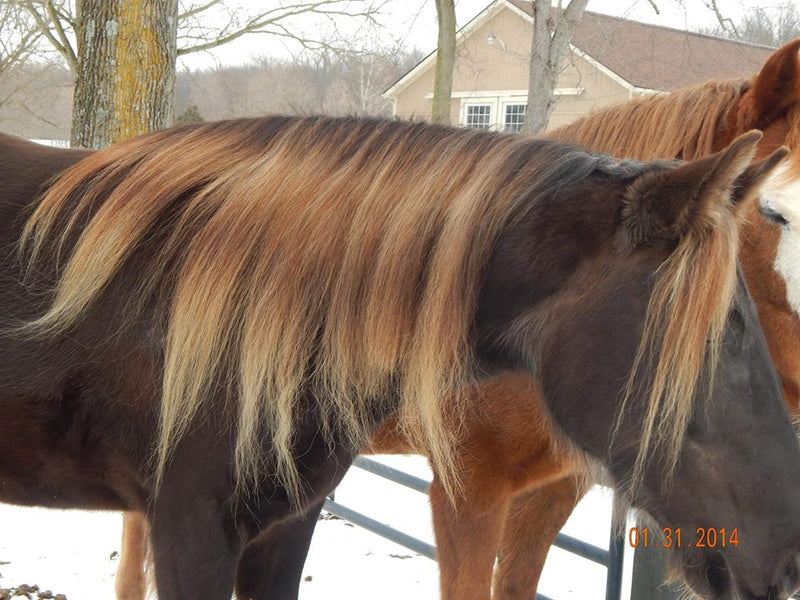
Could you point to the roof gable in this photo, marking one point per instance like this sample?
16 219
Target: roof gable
429 61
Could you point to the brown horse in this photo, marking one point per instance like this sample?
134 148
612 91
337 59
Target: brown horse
516 495
504 456
518 489
249 299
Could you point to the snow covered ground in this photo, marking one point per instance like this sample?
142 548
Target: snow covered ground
75 552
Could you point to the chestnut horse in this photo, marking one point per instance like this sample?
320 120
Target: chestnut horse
518 489
211 320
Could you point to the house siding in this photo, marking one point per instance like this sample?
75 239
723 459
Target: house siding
502 65
599 91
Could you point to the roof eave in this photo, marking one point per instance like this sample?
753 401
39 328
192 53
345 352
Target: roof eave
616 77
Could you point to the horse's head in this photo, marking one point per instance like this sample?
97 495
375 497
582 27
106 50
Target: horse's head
771 254
623 297
769 100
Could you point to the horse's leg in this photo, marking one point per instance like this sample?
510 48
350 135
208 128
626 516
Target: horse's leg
196 529
131 581
272 564
467 538
195 546
534 518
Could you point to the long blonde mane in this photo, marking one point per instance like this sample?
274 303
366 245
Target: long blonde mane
684 325
340 257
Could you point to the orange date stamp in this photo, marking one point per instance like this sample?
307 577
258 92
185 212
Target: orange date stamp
675 537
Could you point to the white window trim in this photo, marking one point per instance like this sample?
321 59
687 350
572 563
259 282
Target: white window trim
498 100
501 116
492 103
576 91
497 111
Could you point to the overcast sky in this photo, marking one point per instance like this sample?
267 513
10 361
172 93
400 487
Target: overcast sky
414 22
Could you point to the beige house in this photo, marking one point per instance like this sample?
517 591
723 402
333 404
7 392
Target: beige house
611 60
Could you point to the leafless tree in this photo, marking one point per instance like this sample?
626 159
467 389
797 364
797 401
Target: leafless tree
366 66
330 82
203 25
445 60
128 88
209 24
19 39
19 36
552 32
767 26
39 106
554 24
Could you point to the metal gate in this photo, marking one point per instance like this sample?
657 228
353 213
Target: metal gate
611 558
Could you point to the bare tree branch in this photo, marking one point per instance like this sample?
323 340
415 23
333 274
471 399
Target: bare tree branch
552 32
195 10
55 18
767 26
208 24
17 38
43 18
192 26
725 23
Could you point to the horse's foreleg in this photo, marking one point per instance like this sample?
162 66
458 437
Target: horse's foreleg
467 538
131 582
196 546
534 518
272 564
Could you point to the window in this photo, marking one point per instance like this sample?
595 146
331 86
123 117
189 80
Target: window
478 116
513 117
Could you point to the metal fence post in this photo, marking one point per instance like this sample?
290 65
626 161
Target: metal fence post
649 574
616 553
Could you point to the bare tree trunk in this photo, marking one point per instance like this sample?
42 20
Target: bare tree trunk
445 58
126 69
551 36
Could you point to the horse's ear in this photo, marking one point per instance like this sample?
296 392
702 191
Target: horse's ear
776 87
665 204
748 184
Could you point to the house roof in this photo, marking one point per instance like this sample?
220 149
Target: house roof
660 58
644 56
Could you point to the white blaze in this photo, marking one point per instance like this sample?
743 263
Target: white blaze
782 195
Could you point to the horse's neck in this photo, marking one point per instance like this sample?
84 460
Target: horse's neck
24 169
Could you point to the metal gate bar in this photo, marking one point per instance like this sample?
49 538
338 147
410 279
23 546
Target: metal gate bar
383 530
392 474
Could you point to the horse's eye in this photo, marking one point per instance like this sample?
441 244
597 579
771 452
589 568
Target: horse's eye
770 214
